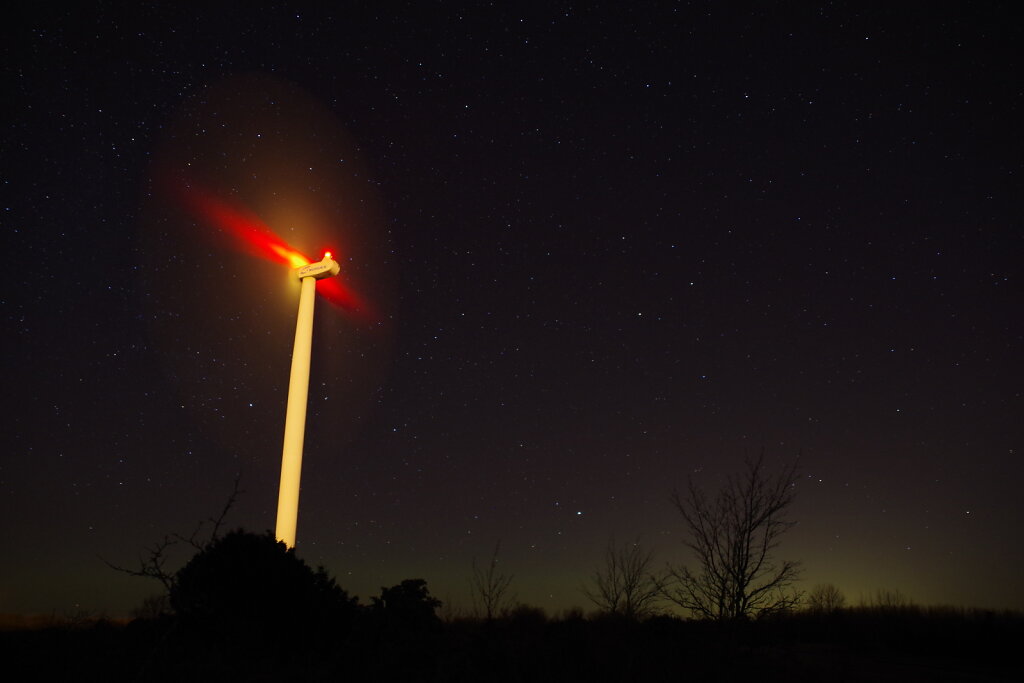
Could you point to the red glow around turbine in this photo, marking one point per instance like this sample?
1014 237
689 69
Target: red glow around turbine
334 291
257 239
244 226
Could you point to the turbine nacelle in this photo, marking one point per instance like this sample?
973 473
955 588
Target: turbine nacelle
320 270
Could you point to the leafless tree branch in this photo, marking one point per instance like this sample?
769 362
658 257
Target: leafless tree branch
624 585
490 587
734 538
153 561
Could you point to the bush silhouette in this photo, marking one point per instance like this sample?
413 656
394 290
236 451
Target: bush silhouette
249 589
409 604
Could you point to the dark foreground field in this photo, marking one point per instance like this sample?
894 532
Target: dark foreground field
851 645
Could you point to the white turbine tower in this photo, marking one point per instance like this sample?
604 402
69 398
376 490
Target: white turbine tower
298 392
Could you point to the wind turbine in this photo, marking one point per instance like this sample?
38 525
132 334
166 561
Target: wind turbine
248 231
298 392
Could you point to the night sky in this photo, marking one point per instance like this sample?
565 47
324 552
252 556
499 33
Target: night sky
595 249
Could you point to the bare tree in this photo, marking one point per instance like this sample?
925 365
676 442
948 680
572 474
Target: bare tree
734 537
489 587
153 561
825 598
624 585
887 600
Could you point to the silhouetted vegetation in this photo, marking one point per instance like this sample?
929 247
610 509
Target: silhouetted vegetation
153 561
245 607
490 588
825 598
396 639
734 536
624 585
247 592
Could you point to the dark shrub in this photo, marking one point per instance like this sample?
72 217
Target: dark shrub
250 590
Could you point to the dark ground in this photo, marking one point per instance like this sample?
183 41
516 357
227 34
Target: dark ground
854 645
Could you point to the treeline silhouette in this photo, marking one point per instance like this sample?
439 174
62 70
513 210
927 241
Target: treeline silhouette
245 608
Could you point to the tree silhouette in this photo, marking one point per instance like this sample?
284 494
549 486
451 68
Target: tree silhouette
825 598
734 537
887 600
489 587
153 563
624 585
409 604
